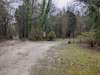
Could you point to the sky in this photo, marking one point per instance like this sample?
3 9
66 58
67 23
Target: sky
62 3
58 3
16 3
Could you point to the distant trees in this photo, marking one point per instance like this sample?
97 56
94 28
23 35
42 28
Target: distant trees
36 20
27 22
24 19
46 7
93 9
71 29
63 24
58 24
4 19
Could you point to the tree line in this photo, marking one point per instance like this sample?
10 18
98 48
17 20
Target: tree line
41 20
35 20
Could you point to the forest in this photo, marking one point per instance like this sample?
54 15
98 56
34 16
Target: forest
36 20
38 24
41 20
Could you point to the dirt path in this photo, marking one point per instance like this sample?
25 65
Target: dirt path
16 57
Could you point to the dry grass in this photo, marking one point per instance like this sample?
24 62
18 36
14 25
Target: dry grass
69 60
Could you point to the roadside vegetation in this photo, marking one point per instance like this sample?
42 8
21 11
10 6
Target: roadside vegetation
69 60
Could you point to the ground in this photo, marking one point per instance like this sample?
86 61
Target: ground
17 57
69 59
47 58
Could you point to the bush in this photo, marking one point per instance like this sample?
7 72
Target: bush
36 34
88 37
97 34
51 36
11 31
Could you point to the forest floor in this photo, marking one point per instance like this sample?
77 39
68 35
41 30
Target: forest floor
68 59
17 57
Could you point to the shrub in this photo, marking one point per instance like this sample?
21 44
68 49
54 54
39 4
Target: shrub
11 31
97 34
88 37
51 36
36 34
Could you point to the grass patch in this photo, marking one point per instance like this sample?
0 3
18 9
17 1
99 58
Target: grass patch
69 60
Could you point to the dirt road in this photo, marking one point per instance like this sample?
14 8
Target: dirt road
16 57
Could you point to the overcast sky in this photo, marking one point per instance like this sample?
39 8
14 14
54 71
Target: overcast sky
58 3
62 3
